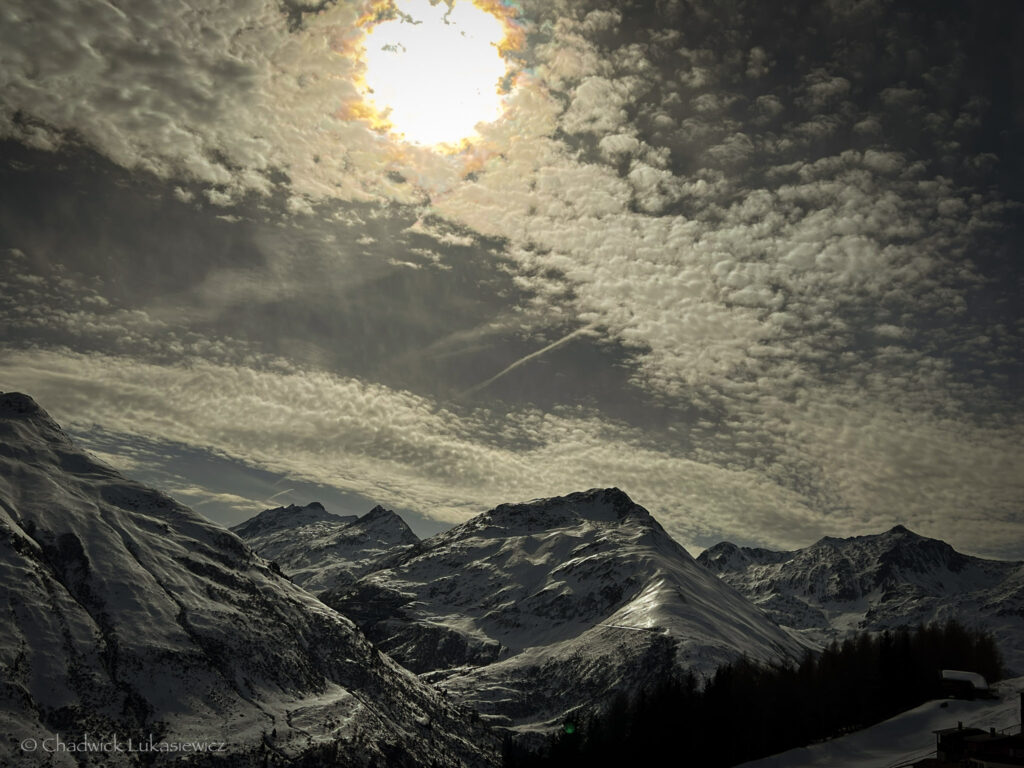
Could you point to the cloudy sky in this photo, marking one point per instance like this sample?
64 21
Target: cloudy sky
756 264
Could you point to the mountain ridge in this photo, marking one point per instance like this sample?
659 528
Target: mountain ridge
875 582
319 550
287 517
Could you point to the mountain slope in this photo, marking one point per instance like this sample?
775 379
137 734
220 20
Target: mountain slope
906 738
529 611
876 582
127 614
318 550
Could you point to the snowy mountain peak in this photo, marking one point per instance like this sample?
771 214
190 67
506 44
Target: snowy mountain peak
888 555
385 525
15 403
318 550
598 505
726 556
27 419
287 518
722 556
875 582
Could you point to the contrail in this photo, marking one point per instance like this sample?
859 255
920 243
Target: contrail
280 493
529 357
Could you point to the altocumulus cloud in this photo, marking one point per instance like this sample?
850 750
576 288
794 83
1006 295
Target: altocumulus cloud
779 217
394 446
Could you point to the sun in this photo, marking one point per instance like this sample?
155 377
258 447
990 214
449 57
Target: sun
435 71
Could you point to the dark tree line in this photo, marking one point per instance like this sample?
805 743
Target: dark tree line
746 711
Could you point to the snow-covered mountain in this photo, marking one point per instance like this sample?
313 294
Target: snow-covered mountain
877 582
529 611
126 614
317 549
312 517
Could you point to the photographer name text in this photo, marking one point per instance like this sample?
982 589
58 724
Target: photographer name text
150 743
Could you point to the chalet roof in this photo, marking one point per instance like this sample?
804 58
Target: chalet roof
962 676
963 731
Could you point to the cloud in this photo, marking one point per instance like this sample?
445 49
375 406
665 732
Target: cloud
197 497
883 462
570 56
822 89
598 106
835 237
230 97
137 86
392 446
795 248
616 146
52 308
403 450
768 290
758 62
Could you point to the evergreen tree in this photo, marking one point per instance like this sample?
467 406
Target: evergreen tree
746 711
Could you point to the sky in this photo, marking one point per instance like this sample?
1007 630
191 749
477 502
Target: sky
756 264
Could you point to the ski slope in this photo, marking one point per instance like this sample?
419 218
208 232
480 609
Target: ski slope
907 737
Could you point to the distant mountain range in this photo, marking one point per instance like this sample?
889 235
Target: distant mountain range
527 610
319 550
877 582
127 614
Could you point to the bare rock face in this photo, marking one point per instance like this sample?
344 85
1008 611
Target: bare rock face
128 615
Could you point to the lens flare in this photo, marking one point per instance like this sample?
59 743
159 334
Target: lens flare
435 71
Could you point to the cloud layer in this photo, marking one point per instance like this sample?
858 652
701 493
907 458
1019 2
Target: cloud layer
404 450
792 230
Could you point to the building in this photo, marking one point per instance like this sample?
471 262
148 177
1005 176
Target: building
977 748
965 685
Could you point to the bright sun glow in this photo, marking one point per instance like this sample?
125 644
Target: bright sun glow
435 71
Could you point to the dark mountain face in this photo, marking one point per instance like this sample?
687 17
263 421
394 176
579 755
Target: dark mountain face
726 556
127 613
